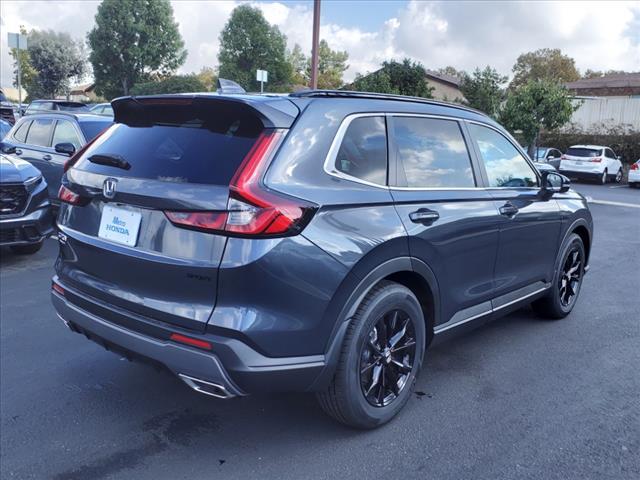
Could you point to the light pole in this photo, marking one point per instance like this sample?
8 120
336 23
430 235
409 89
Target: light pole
314 44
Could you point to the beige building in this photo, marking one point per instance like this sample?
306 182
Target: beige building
445 87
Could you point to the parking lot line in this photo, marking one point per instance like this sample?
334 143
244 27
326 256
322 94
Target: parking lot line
615 204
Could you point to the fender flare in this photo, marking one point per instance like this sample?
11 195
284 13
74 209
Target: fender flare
578 222
383 270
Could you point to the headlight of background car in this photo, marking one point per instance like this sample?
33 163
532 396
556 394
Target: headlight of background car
32 183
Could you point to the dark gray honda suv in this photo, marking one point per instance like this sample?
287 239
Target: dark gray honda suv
311 242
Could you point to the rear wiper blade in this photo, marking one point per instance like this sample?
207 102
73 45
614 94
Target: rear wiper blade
110 160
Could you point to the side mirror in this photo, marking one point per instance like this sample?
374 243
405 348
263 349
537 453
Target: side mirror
7 148
554 182
65 148
619 157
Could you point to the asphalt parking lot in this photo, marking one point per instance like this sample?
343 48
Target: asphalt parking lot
517 398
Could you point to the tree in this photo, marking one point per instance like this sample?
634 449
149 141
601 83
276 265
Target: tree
597 73
249 43
331 66
208 78
133 41
483 90
452 72
544 64
401 78
28 73
298 62
538 104
55 58
171 84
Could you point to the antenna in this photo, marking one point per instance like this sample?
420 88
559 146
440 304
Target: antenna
228 86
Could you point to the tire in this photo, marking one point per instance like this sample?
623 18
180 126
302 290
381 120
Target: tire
618 178
554 305
347 399
603 178
26 249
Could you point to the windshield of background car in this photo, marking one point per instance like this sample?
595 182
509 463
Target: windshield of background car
584 152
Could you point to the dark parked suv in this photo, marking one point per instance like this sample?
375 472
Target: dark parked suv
48 140
314 242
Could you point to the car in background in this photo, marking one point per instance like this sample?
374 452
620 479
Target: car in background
548 155
102 109
25 210
634 174
4 128
594 162
39 106
47 140
7 110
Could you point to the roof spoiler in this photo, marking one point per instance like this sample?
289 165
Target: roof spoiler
141 111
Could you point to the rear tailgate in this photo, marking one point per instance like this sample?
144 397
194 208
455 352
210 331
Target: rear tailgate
163 154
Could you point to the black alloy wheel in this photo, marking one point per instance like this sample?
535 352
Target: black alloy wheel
570 278
387 359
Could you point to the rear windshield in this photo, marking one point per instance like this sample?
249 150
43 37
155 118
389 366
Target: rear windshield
178 145
73 106
92 129
584 152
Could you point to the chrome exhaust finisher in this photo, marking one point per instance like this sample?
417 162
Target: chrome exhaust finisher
207 388
65 322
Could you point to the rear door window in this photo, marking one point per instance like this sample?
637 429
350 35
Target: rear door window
504 164
40 132
21 132
363 151
431 153
181 144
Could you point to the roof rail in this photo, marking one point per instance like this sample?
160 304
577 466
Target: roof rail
379 96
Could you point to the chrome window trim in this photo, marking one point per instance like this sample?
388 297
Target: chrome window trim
329 165
330 161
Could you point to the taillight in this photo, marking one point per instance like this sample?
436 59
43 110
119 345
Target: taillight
252 209
635 166
562 157
68 196
596 159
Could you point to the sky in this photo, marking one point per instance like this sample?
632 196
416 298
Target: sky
599 35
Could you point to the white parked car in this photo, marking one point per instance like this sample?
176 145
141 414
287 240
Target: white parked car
634 174
591 162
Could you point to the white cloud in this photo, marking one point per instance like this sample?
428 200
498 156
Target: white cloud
599 35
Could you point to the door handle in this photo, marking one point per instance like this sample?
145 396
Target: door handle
424 216
46 157
508 209
18 151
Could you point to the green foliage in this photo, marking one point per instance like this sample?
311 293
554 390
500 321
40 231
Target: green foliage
298 62
172 84
544 64
331 66
208 78
249 43
452 72
29 74
538 104
483 90
133 41
597 73
51 60
401 78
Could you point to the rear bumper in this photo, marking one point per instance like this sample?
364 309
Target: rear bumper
590 175
233 366
27 229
